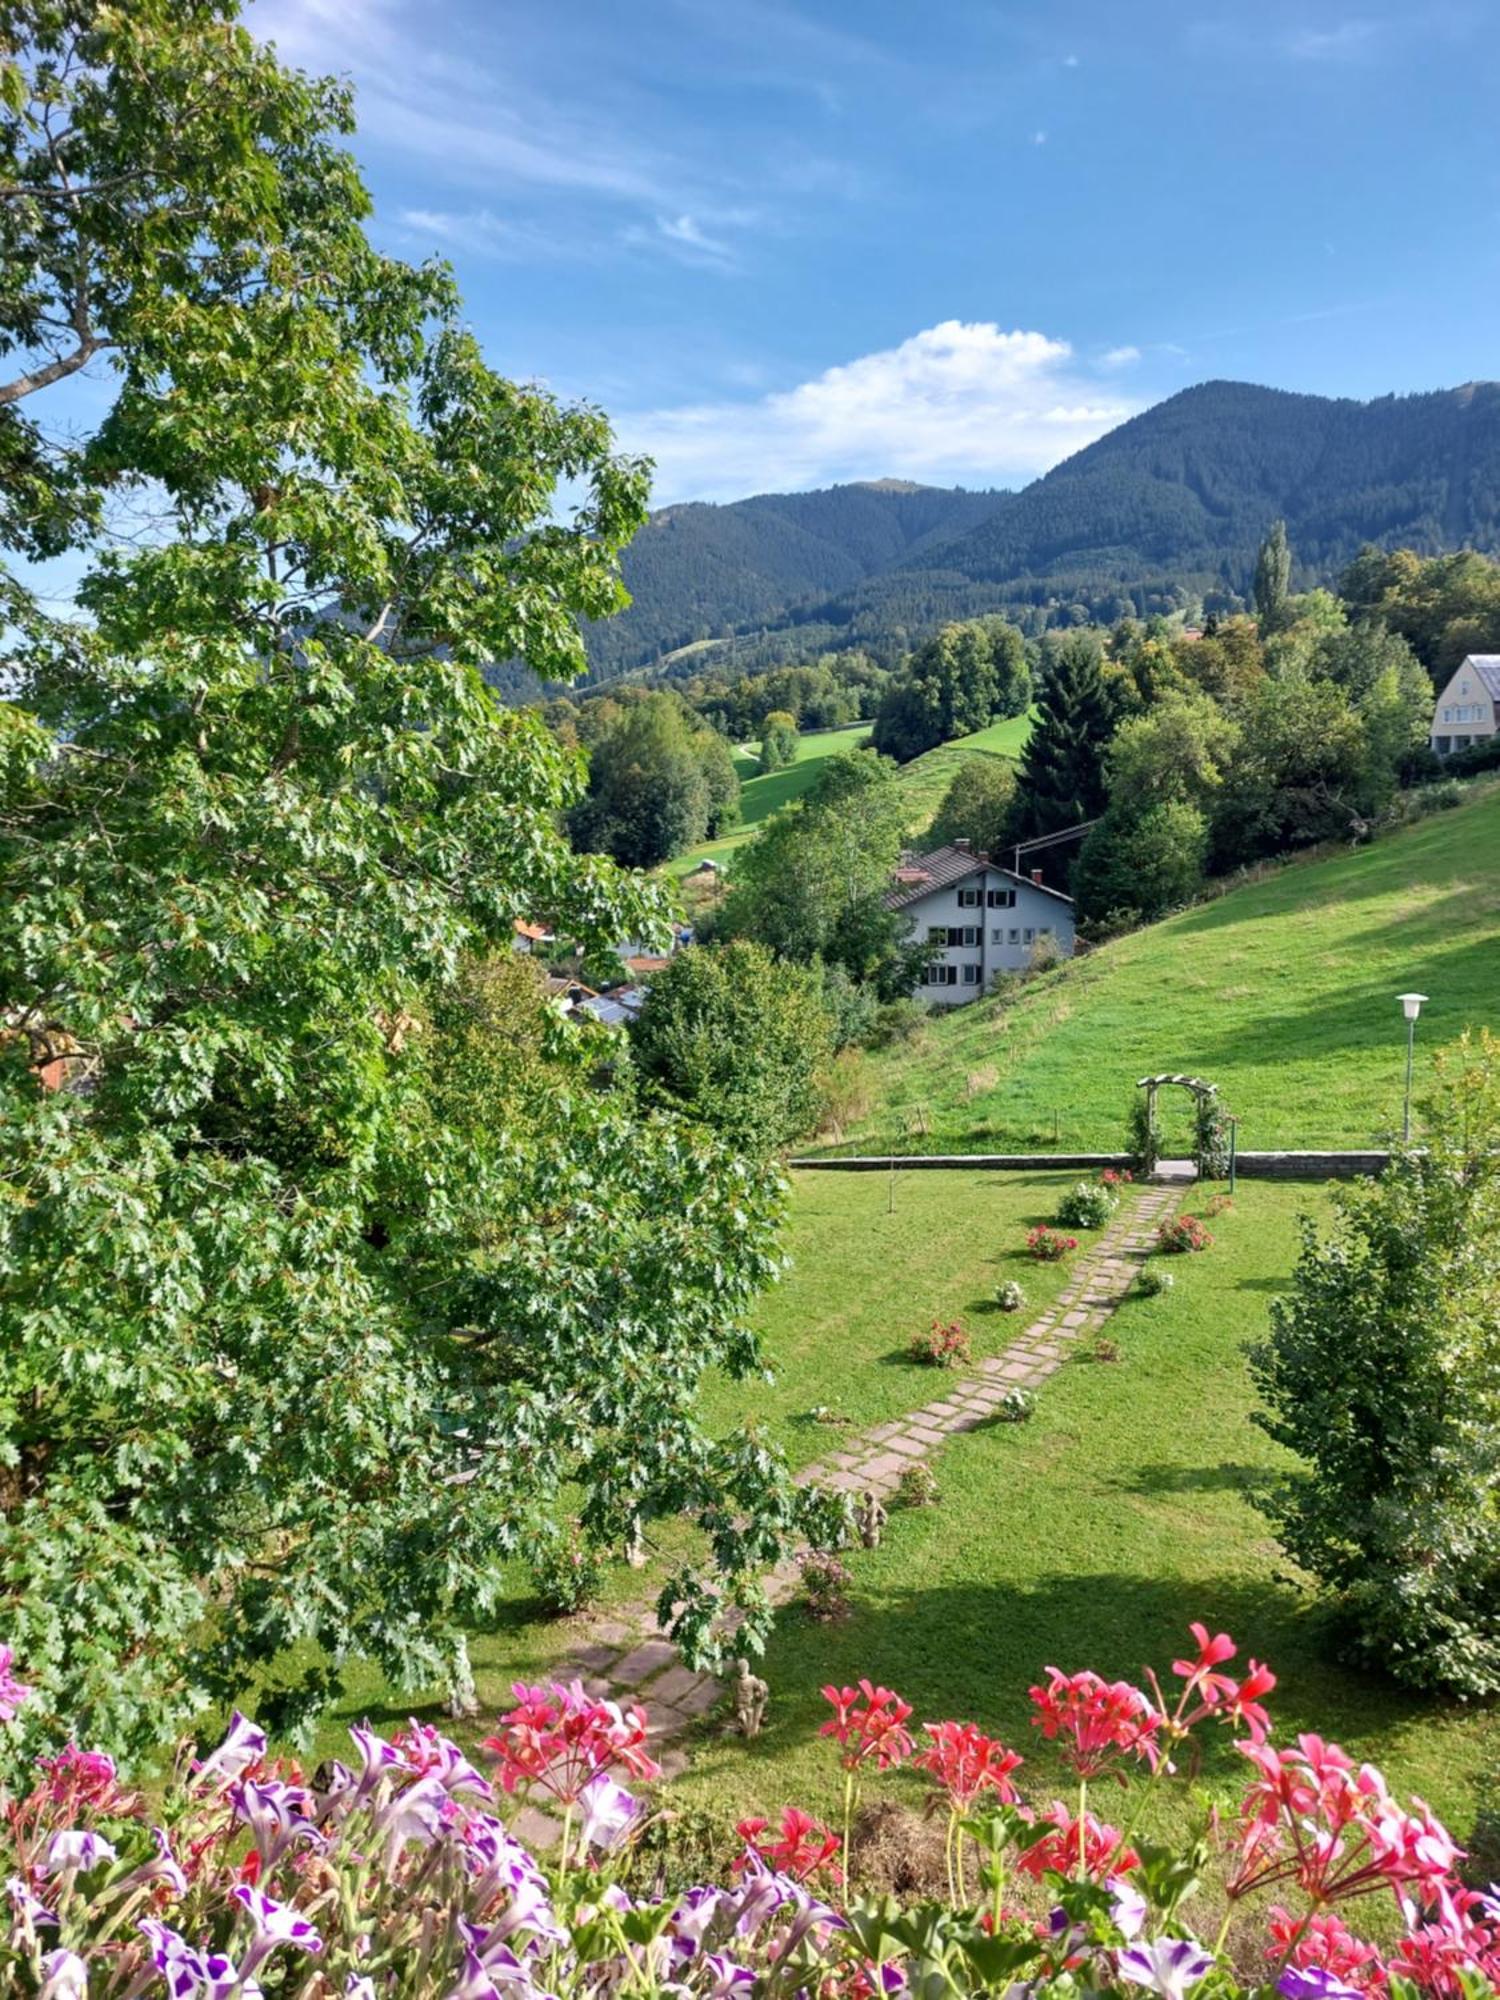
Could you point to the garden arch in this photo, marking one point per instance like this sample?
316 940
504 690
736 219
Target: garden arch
1213 1128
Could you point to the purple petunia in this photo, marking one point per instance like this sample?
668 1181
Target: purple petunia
65 1976
190 1974
76 1848
244 1745
1315 1982
276 1923
608 1810
1168 1966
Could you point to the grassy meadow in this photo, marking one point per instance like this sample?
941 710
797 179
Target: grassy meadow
1089 1536
1282 991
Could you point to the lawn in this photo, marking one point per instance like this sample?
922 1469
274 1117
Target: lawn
1088 1537
1281 991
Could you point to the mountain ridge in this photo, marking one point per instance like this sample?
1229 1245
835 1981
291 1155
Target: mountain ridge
1164 511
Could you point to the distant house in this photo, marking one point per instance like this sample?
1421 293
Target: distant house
532 937
982 920
1468 708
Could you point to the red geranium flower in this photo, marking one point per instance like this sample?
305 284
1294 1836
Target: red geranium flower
966 1762
803 1847
869 1725
1098 1720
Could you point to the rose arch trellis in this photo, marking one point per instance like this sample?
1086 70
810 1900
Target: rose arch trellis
1213 1128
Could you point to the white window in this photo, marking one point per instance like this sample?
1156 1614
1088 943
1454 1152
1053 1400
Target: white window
1044 930
1000 899
997 936
942 975
969 899
971 975
1031 937
937 933
1015 937
971 935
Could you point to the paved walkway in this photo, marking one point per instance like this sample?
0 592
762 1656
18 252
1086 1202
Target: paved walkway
625 1656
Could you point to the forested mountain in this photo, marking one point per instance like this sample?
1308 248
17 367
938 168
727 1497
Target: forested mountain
1164 511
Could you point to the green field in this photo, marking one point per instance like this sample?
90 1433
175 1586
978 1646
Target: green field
1282 992
922 782
1088 1537
760 796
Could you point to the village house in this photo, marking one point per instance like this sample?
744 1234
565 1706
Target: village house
982 920
1468 708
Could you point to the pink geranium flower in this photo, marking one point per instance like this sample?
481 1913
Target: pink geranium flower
869 1724
966 1762
1096 1721
557 1738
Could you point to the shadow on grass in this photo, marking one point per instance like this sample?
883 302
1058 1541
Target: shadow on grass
1250 1480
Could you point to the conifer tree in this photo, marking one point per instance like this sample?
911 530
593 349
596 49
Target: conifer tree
1062 768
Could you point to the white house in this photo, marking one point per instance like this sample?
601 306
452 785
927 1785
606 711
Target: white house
982 920
1468 709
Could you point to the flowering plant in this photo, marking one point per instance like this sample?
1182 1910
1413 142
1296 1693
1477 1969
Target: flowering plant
394 1877
1049 1246
1181 1233
1010 1295
917 1486
1089 1205
943 1347
826 1581
1117 1177
1151 1284
1016 1406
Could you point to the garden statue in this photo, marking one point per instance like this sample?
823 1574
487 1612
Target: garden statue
751 1696
870 1518
635 1545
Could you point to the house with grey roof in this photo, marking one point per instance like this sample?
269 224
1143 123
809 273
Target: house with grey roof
1468 708
982 921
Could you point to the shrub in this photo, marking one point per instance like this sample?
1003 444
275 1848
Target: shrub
1181 1234
397 1873
1016 1406
1218 1204
1382 1374
1089 1205
1143 1134
1440 797
943 1347
826 1581
1048 1246
1117 1177
1150 1284
897 1024
1211 1136
1010 1295
568 1574
1103 1348
917 1487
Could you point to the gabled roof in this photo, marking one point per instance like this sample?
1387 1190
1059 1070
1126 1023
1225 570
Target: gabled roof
919 875
1487 666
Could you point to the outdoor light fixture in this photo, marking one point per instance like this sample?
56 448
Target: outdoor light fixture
1411 1006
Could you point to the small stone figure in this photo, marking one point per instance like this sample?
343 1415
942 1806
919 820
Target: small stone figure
870 1518
635 1546
463 1699
751 1696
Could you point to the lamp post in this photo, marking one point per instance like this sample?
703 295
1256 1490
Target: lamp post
1411 1006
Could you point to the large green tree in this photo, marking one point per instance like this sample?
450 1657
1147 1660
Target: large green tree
297 1349
738 1040
1273 579
959 681
657 785
1062 767
1381 1374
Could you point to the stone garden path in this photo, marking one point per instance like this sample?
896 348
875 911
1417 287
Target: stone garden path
624 1655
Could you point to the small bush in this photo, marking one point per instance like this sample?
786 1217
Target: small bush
1016 1406
1089 1205
1103 1348
898 1024
917 1487
944 1347
1150 1284
1117 1177
1010 1295
1441 797
826 1582
1049 1246
1219 1204
1181 1234
568 1575
846 1093
822 1414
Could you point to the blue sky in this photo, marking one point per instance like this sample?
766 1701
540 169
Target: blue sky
787 242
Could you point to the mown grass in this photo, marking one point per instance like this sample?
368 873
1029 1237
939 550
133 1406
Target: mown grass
1089 1537
1283 992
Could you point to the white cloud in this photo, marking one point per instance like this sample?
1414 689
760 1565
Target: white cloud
1345 41
1070 62
683 237
1038 138
476 231
1120 357
964 403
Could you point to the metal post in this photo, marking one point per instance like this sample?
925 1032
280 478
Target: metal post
1411 1038
1234 1141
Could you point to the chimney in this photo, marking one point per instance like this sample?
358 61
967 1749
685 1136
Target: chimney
963 846
1036 876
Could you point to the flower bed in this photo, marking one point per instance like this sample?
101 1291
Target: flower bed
396 1876
1182 1233
945 1346
1049 1246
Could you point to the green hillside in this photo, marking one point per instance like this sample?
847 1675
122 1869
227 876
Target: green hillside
923 781
1282 991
